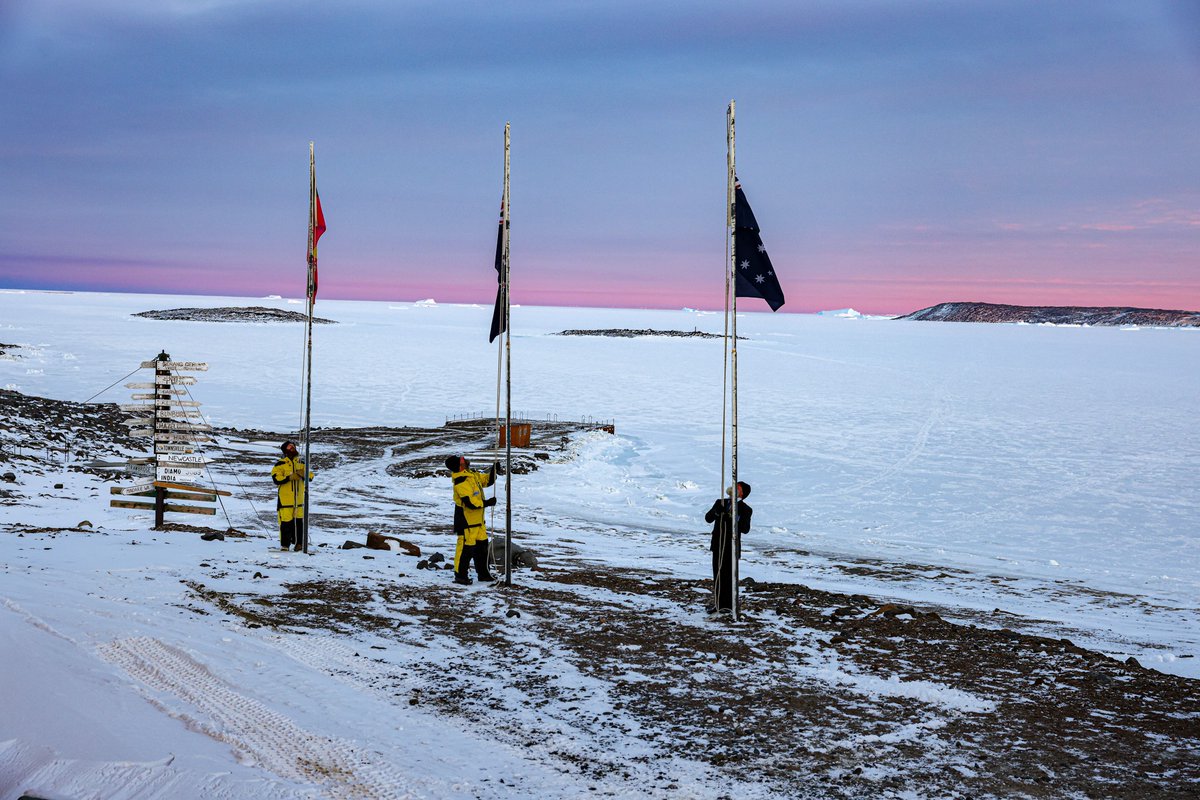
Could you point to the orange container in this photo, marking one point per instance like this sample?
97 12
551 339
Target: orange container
520 434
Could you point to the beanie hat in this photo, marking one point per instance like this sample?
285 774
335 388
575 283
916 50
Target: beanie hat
452 463
284 446
745 489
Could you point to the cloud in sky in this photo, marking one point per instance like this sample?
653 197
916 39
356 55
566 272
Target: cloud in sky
165 143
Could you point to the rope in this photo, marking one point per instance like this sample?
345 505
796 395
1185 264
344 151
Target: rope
730 226
111 385
499 369
208 472
303 374
724 374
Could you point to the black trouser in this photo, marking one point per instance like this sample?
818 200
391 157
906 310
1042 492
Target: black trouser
722 564
292 533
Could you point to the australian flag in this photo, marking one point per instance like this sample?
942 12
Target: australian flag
755 275
499 322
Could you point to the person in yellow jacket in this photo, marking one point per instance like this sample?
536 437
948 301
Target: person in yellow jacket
290 476
469 528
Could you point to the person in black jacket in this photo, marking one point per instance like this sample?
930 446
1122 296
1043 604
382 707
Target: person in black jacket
720 515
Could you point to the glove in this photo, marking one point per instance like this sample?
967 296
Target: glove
491 501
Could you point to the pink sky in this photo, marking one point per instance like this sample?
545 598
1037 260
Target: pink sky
896 154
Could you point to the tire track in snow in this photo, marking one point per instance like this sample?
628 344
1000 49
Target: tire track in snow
271 739
539 768
536 774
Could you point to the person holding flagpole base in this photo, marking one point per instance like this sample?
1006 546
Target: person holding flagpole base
723 551
291 477
469 528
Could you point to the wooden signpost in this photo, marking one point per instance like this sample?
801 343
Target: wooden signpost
167 421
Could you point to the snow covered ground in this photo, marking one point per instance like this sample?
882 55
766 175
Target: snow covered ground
1048 472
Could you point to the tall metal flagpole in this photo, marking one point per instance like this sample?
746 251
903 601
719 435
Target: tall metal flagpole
499 377
731 196
508 382
312 215
499 368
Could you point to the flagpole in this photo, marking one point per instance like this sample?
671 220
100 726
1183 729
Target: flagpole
731 182
499 377
508 378
499 373
312 214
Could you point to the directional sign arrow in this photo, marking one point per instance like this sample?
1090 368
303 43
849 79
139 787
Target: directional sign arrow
187 366
171 436
185 487
179 416
171 474
162 447
138 488
176 380
173 463
183 426
162 395
179 459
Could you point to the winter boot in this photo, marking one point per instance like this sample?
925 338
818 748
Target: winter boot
481 561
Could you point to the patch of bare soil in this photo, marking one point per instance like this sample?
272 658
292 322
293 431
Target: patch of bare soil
785 693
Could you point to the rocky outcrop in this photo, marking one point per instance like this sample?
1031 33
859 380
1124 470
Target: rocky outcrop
629 333
228 314
1055 315
379 541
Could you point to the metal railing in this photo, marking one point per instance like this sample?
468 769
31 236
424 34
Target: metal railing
521 417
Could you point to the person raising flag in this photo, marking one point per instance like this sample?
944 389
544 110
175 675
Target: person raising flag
469 528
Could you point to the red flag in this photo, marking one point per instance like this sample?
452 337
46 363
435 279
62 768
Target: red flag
318 228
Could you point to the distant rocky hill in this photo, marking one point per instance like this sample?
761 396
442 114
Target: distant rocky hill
628 333
1057 315
246 314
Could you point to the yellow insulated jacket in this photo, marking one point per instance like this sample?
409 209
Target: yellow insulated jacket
469 503
289 475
